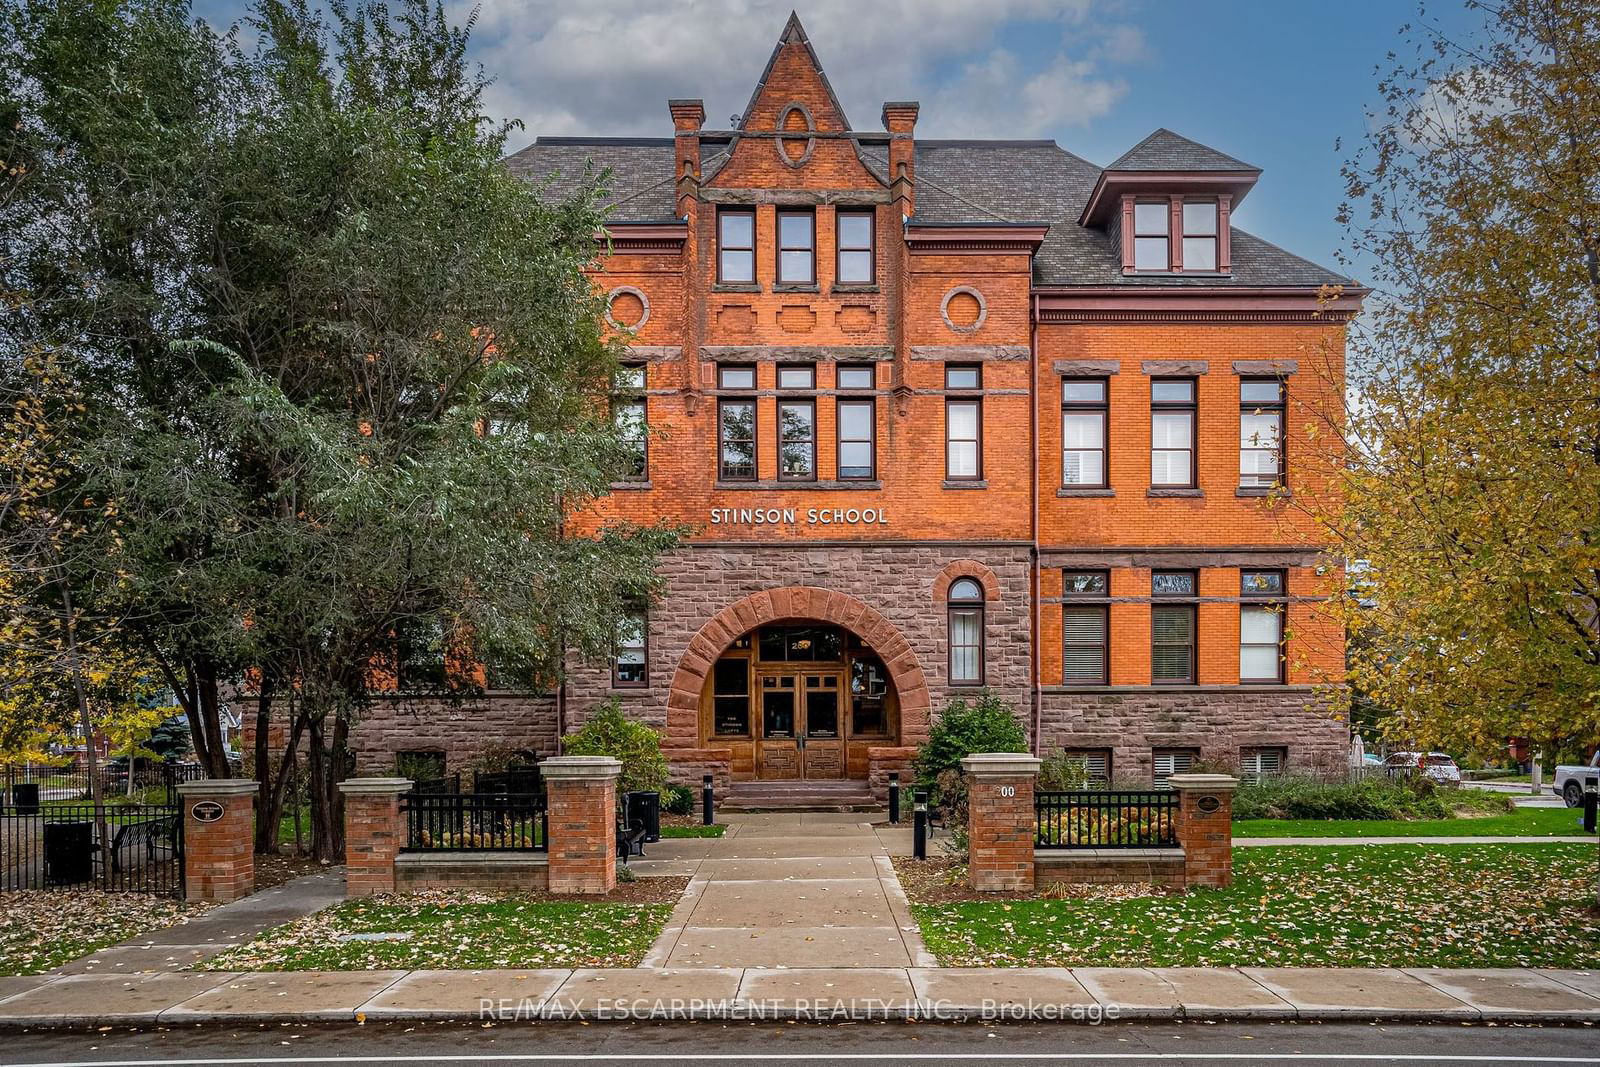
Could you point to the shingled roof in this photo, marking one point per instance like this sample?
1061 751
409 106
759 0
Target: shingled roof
956 182
1165 150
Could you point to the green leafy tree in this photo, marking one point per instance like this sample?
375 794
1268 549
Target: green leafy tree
986 725
1471 488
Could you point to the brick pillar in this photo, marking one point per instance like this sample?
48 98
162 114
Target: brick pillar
219 825
582 794
373 833
1000 820
1205 827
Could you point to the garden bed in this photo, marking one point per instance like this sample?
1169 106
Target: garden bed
1378 906
464 929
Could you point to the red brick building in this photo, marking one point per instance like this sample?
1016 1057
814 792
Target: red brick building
948 416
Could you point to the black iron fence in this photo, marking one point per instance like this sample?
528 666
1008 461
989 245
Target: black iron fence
25 786
516 822
126 848
1142 819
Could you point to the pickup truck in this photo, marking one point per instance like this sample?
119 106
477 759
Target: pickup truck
1572 779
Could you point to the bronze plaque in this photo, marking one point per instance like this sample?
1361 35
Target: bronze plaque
1208 804
206 811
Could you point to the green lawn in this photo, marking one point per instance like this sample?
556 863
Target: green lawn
41 929
1391 905
1526 822
715 830
456 930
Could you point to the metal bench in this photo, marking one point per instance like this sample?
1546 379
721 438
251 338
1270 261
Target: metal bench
153 834
630 839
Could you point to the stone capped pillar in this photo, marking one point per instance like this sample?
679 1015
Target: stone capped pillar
1205 827
1000 820
219 825
582 794
374 831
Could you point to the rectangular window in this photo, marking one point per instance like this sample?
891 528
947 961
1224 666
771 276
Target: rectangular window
1172 629
1095 764
797 247
1260 433
963 420
1261 651
966 645
857 440
797 440
797 376
730 697
1085 630
857 376
736 376
1172 415
630 668
1151 229
736 421
1199 235
1258 763
628 413
963 376
1083 432
1165 762
857 265
736 246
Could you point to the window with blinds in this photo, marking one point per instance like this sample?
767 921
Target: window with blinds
1169 761
1096 765
1083 651
1258 763
1172 643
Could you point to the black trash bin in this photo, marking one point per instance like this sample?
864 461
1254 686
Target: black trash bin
25 796
68 853
645 807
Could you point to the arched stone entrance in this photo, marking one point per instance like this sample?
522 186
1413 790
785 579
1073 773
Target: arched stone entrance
803 603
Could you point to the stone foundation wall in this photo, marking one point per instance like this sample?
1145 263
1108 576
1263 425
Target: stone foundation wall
689 766
461 731
901 581
883 760
1218 721
498 871
1110 866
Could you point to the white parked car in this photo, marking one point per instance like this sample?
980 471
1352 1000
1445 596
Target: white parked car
1436 765
1572 779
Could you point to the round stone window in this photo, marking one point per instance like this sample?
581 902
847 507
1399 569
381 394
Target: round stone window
963 309
795 135
627 308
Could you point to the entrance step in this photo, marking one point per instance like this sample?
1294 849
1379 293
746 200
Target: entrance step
798 796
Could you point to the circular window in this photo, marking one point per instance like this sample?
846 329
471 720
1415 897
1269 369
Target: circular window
963 309
627 308
795 135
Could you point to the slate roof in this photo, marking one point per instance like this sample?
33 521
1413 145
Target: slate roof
1165 150
957 182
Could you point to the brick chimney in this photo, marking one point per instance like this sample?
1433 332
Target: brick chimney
900 119
687 118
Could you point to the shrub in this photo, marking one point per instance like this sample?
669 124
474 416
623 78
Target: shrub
1061 773
984 726
677 800
611 733
1370 798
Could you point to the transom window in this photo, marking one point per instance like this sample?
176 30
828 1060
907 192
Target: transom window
797 247
966 632
736 246
1083 432
856 264
1172 416
1199 235
857 376
797 376
800 644
963 376
736 376
1151 226
1260 433
1085 652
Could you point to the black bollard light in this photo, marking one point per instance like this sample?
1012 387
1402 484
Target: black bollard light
1591 800
919 826
894 798
705 800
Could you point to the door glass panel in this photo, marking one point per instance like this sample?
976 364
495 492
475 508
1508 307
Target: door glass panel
777 708
869 684
730 698
822 707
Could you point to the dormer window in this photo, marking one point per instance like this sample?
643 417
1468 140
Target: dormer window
1199 235
1176 234
1150 241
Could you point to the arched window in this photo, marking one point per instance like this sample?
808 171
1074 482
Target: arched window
966 632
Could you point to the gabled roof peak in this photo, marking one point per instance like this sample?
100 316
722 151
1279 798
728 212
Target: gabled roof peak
1165 150
793 33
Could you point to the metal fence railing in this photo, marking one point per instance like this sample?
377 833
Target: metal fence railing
515 822
22 785
1129 819
128 848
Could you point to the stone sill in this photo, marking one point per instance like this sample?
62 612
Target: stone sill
1161 493
1075 857
1086 491
735 287
1279 492
846 288
769 484
796 289
948 484
630 486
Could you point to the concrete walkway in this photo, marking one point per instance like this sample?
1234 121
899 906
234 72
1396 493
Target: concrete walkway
793 890
186 944
1089 994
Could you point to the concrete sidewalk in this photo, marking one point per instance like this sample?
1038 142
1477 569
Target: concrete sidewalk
1090 994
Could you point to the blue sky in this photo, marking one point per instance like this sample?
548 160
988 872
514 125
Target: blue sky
1277 84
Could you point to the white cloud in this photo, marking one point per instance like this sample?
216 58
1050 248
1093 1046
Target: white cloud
610 66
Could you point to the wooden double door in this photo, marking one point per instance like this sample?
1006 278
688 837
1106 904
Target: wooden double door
800 723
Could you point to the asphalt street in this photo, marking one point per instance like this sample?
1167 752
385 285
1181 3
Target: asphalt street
1013 1045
